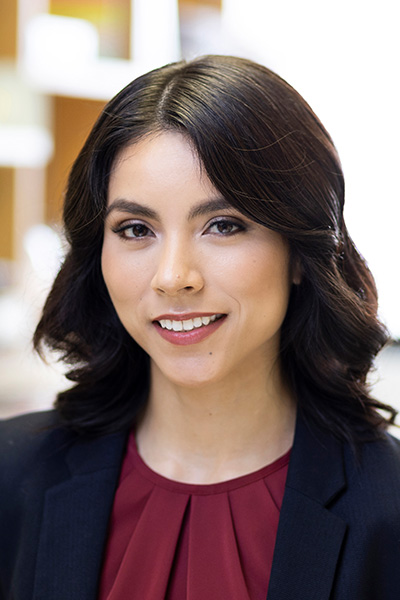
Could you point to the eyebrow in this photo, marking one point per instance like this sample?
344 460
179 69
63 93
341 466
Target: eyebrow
132 208
200 209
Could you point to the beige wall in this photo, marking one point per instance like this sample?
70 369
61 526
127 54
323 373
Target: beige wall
7 187
73 119
8 49
8 29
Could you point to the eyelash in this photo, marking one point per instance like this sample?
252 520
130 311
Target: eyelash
238 227
224 221
121 231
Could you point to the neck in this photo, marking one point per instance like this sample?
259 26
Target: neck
216 432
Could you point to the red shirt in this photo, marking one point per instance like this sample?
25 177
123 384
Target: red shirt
177 541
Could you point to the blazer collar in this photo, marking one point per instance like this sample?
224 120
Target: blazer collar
75 520
309 536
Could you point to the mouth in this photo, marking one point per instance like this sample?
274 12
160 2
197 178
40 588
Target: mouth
189 328
188 324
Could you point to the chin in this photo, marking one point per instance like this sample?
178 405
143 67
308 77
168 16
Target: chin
191 376
191 382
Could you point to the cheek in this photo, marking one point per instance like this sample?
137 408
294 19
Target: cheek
272 289
265 288
257 275
125 288
121 276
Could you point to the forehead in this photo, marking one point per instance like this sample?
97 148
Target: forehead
157 149
163 163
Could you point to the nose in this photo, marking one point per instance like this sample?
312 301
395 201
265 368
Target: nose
177 270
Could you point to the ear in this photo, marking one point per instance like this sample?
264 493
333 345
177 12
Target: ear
296 271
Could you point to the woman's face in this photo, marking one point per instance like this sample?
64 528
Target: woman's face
201 288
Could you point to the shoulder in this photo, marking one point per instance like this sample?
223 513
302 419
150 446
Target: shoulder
32 458
27 440
372 496
43 466
352 481
38 452
373 474
370 507
39 449
378 463
17 429
29 429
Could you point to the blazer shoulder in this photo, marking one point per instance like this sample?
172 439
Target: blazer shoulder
381 458
27 439
28 423
374 482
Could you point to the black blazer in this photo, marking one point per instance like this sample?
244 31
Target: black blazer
338 535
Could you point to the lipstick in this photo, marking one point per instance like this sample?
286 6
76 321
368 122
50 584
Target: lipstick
188 328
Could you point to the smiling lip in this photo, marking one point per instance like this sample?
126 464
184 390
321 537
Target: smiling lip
196 323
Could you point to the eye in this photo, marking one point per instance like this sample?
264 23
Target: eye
133 231
225 227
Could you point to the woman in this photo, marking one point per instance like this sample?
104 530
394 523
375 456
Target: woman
220 440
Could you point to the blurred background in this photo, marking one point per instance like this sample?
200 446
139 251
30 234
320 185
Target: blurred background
61 60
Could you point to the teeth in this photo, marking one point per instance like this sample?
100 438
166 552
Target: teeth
188 324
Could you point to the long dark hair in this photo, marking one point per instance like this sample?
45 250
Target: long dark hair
267 153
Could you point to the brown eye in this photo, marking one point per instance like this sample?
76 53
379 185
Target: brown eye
225 227
133 231
137 230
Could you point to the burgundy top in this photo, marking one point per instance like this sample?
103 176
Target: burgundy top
177 541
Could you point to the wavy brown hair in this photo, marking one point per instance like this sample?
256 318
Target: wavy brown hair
267 153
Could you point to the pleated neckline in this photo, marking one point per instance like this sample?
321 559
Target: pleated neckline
170 540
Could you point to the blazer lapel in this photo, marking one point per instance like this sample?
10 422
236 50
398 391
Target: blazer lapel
309 536
77 509
75 519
